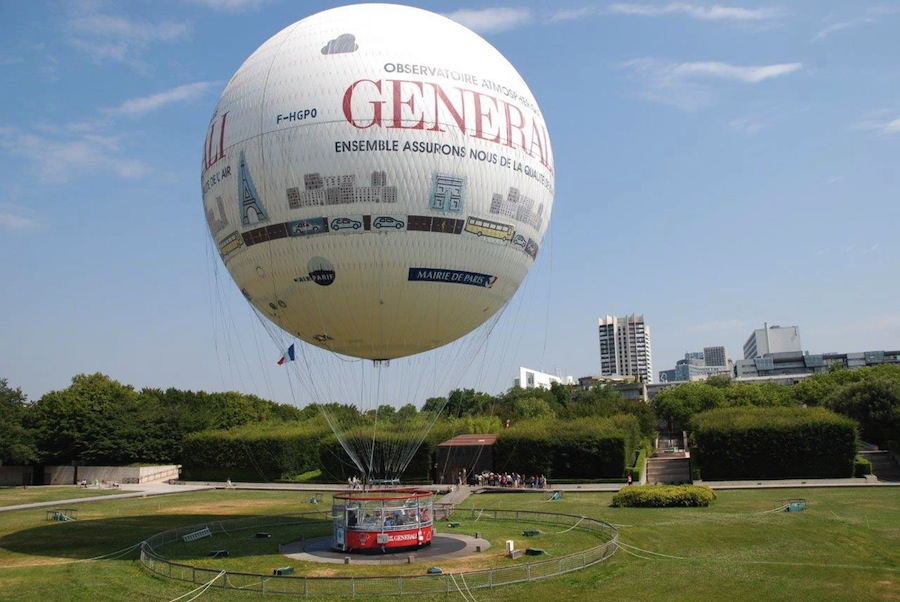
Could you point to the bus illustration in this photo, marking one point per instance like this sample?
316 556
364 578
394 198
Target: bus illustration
483 227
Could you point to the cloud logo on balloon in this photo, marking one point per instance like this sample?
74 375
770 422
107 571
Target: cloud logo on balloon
344 43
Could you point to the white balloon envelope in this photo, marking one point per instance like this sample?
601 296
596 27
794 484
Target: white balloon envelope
378 180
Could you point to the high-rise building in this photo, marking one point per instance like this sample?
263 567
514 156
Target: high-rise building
625 347
772 339
715 356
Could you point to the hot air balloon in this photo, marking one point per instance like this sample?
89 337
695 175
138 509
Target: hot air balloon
378 181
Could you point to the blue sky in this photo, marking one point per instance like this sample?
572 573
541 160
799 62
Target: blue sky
717 166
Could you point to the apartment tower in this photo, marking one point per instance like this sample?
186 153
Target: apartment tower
625 347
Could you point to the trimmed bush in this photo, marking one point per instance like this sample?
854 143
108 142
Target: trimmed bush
585 448
861 467
637 471
774 443
253 453
663 496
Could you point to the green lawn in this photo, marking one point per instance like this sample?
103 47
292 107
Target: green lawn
844 546
13 496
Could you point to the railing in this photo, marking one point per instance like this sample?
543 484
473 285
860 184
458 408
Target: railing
367 586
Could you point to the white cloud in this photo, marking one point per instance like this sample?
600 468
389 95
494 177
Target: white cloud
492 20
749 125
146 104
882 127
11 218
872 15
60 159
573 14
109 26
750 75
230 6
830 29
687 85
105 36
697 11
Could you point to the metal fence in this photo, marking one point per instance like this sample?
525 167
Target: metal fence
369 586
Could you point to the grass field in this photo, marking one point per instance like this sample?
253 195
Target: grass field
844 546
13 496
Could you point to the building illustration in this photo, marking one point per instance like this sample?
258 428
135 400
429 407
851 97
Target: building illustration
321 191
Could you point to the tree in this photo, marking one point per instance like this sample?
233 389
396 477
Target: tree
16 443
90 421
520 403
875 404
528 408
605 401
759 395
680 403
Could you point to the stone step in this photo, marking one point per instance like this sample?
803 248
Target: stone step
884 465
669 470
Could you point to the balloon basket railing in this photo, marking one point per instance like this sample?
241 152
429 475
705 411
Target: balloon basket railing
382 520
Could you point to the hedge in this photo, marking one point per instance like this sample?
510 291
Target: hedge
253 453
774 443
663 496
585 448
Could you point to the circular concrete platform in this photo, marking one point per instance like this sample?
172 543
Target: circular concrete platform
443 546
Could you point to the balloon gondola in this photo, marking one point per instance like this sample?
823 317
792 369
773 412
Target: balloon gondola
386 520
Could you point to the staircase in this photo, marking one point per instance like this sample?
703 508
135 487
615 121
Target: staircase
671 471
884 465
670 464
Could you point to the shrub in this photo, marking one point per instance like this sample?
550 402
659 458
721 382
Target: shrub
861 467
774 443
663 496
584 448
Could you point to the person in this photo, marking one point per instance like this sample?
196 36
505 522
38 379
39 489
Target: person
228 484
629 478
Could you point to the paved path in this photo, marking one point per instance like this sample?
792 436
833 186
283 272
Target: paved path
130 491
454 497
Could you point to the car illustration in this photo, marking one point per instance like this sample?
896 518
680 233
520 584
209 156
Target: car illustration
532 248
387 222
343 223
306 227
520 241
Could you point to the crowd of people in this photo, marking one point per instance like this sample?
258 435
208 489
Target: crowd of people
506 479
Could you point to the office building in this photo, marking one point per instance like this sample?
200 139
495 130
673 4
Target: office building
798 363
715 356
772 339
530 379
696 366
625 347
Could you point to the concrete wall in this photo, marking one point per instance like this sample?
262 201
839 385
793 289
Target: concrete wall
127 474
69 475
14 475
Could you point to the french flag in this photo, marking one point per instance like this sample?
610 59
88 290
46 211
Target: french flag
288 355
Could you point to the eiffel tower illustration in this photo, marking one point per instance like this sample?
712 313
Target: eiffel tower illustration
250 201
